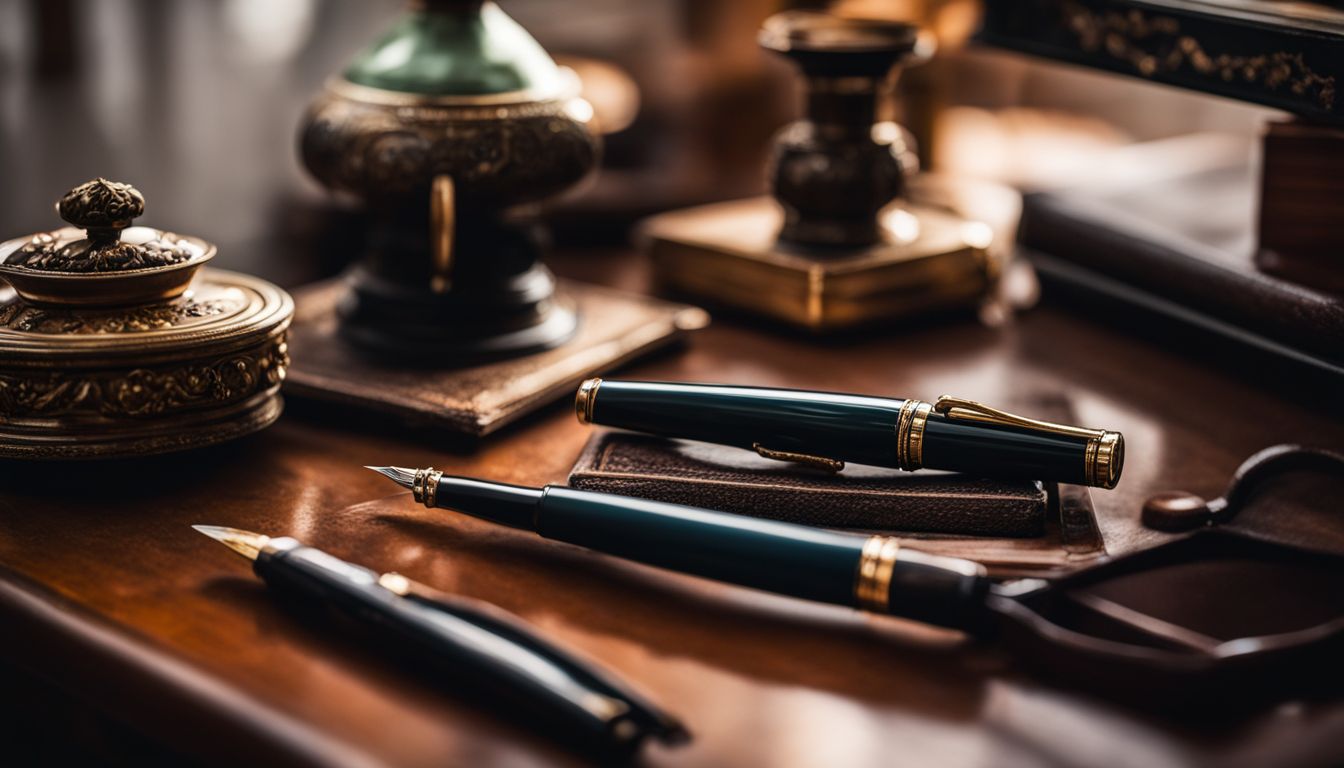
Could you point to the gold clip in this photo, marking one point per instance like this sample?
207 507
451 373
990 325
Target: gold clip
819 462
1103 456
960 408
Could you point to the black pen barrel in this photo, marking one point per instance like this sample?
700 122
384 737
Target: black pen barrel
849 427
870 572
906 434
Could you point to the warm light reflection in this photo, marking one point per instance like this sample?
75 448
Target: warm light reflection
268 31
977 234
902 226
611 91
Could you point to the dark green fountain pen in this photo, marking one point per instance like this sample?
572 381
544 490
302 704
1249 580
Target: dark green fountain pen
871 572
826 429
467 642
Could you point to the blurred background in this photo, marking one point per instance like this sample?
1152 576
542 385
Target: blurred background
174 95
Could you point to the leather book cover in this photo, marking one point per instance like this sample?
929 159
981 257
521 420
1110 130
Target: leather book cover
1142 250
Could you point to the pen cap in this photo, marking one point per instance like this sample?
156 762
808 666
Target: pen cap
967 436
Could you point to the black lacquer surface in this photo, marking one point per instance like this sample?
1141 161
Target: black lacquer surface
852 428
849 427
485 653
789 559
795 560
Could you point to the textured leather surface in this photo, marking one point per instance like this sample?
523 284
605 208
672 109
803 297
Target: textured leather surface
872 498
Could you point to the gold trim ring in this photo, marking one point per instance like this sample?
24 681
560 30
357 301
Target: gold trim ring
872 587
910 424
1103 459
418 485
432 488
584 400
425 487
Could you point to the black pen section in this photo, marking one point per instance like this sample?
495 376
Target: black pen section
991 450
794 560
511 505
847 427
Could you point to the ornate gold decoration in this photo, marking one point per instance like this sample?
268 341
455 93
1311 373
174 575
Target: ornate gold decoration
103 208
584 400
872 587
146 391
819 462
101 204
122 363
1155 44
21 316
378 144
425 487
910 423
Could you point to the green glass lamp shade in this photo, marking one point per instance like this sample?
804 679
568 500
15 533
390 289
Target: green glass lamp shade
456 49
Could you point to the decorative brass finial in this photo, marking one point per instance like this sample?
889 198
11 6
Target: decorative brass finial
102 207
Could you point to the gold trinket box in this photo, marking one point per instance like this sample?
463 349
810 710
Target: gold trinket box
114 342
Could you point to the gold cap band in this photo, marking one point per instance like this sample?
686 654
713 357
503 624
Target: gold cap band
1104 459
872 587
425 487
910 425
584 400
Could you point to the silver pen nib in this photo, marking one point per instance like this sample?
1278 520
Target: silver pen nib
399 475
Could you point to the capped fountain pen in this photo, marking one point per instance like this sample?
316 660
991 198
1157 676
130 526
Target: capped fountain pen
826 429
874 573
475 643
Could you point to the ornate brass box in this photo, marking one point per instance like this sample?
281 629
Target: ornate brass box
119 344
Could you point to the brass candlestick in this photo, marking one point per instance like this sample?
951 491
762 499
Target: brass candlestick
834 170
444 127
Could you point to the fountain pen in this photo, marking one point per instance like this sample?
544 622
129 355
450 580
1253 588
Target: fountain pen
470 642
874 573
826 429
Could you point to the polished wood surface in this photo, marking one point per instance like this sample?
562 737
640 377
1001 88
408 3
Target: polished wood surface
759 679
109 601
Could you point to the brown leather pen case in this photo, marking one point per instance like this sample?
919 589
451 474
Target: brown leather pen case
871 498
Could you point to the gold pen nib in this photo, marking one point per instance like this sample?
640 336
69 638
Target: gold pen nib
245 543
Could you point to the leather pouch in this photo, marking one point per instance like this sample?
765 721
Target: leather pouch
1014 527
733 480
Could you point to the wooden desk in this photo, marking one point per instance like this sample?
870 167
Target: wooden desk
111 604
109 594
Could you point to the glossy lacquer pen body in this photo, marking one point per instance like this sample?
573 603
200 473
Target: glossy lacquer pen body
874 573
471 645
826 429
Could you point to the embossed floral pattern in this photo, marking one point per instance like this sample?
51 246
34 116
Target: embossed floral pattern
145 391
